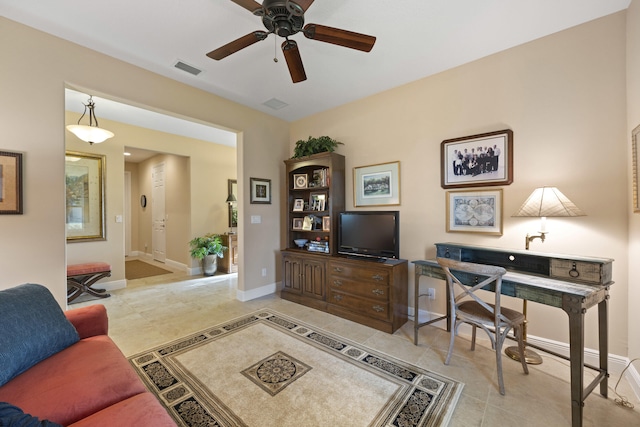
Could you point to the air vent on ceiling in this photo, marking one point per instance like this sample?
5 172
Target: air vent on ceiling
188 68
275 104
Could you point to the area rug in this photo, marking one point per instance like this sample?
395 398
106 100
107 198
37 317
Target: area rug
267 369
136 269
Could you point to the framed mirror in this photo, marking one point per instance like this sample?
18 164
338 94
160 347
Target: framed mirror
85 208
233 206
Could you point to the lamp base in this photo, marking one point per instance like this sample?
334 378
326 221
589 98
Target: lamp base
530 356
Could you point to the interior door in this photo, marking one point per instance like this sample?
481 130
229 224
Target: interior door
158 215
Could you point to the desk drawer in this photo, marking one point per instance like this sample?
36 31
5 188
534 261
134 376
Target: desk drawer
582 272
371 308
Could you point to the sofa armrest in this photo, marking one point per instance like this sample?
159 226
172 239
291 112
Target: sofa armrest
89 321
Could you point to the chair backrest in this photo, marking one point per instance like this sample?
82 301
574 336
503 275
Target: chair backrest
464 280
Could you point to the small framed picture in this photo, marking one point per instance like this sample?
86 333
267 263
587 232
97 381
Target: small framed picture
260 190
297 223
317 201
11 182
298 205
475 211
326 223
300 180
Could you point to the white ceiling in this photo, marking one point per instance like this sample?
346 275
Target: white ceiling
415 39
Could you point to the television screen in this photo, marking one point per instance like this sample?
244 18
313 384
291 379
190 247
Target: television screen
369 233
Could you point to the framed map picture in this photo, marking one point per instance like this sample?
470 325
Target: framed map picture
475 211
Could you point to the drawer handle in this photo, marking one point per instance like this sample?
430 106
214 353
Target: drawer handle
337 282
338 297
378 291
377 277
574 272
378 308
337 269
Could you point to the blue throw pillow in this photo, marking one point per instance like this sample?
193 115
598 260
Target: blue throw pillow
12 416
32 328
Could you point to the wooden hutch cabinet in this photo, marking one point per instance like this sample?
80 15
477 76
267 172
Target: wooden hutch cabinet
366 291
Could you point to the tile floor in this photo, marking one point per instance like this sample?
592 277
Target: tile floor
159 309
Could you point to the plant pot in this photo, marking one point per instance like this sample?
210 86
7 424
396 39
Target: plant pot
209 265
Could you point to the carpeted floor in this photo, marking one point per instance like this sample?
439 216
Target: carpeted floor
267 369
136 269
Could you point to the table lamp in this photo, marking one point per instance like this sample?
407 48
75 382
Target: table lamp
542 203
230 199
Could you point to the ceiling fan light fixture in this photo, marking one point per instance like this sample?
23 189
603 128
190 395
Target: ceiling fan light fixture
91 133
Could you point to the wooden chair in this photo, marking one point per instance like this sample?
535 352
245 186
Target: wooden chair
463 282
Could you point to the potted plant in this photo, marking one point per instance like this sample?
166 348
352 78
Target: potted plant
314 145
208 249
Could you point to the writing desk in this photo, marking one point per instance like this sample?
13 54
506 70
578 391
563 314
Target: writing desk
569 282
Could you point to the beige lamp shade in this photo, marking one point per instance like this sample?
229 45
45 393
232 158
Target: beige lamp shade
548 202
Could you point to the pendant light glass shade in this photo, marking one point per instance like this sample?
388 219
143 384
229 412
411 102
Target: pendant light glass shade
91 133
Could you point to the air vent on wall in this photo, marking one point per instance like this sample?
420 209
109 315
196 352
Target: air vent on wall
188 68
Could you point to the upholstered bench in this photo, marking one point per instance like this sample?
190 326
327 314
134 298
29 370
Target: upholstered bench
81 277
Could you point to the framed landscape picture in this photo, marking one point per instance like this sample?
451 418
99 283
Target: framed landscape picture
478 160
377 185
477 211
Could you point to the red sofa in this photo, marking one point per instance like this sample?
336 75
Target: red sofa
89 383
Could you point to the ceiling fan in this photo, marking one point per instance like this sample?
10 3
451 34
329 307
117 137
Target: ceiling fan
286 18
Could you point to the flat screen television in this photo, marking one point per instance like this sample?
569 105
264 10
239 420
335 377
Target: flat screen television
374 234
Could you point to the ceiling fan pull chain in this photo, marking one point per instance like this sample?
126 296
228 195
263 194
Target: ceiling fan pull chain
275 49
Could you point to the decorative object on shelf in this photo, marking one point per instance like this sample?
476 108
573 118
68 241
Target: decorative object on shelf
260 190
300 180
477 160
232 201
319 178
297 223
546 202
85 207
478 211
314 146
143 201
300 242
326 223
317 201
207 249
90 133
543 202
377 185
307 222
635 140
10 183
298 205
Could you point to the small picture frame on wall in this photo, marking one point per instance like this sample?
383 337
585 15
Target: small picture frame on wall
478 160
478 211
260 190
300 180
10 183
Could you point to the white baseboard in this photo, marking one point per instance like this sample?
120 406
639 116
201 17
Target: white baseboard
113 285
256 293
617 364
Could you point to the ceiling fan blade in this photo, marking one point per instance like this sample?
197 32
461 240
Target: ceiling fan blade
339 37
294 61
251 5
238 44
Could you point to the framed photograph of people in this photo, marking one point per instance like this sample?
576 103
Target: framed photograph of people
477 211
297 223
298 205
260 190
477 160
10 182
377 185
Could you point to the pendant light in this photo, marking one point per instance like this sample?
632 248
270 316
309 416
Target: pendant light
91 133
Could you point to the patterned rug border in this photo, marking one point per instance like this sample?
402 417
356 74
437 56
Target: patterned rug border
428 398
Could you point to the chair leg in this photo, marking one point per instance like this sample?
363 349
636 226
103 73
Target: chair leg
473 337
451 339
499 366
525 367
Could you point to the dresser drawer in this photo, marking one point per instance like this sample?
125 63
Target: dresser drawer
359 274
378 291
371 308
579 271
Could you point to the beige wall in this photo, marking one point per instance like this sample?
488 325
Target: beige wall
564 98
32 119
633 120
